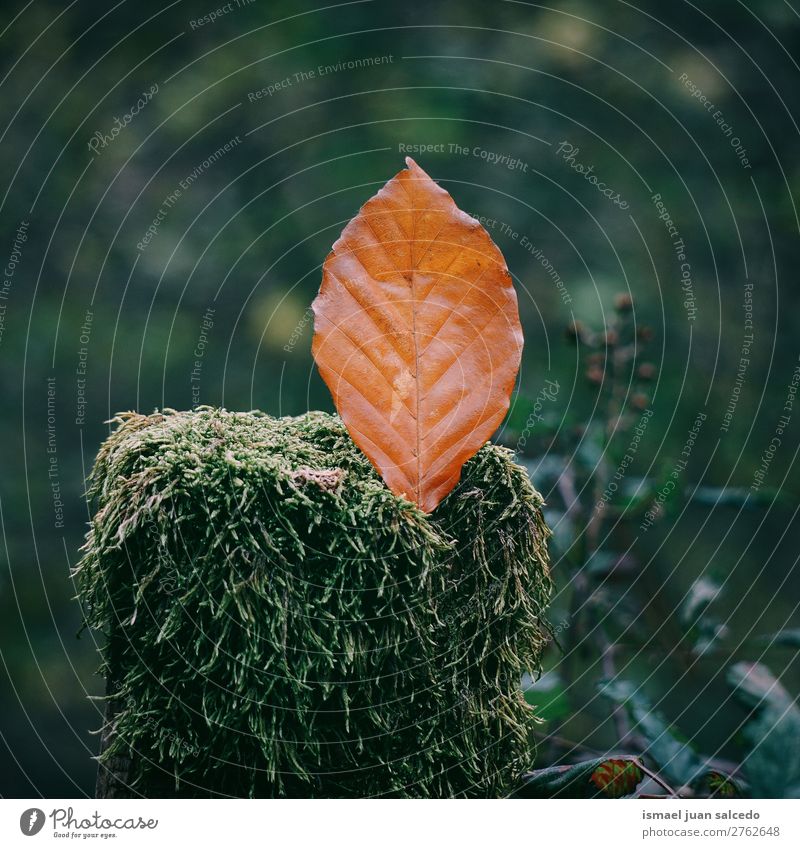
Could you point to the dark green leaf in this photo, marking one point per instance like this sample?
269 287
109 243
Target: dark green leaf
733 496
717 785
698 599
772 733
694 614
601 777
783 638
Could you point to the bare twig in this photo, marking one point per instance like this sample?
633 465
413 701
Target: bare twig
658 779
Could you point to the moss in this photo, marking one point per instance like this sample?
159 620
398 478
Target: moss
280 624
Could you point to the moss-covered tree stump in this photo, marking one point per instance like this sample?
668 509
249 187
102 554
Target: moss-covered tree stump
280 624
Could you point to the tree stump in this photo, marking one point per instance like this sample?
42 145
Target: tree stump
279 624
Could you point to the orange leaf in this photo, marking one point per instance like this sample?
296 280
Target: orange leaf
417 335
617 778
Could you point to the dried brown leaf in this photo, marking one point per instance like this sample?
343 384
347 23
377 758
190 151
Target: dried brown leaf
417 335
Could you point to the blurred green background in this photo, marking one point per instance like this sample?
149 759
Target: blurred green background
211 307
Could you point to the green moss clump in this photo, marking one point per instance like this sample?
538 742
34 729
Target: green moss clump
280 624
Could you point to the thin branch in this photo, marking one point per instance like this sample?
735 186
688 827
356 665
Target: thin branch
658 779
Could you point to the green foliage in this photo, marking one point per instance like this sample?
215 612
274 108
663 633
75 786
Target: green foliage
718 785
280 624
772 732
701 626
600 513
789 638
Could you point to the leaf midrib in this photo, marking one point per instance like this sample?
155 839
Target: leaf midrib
417 422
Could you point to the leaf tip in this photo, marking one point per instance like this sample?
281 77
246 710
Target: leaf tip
417 172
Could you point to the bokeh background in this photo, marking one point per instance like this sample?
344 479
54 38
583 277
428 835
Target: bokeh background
168 258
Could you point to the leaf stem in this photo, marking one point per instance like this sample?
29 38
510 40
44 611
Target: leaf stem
658 779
